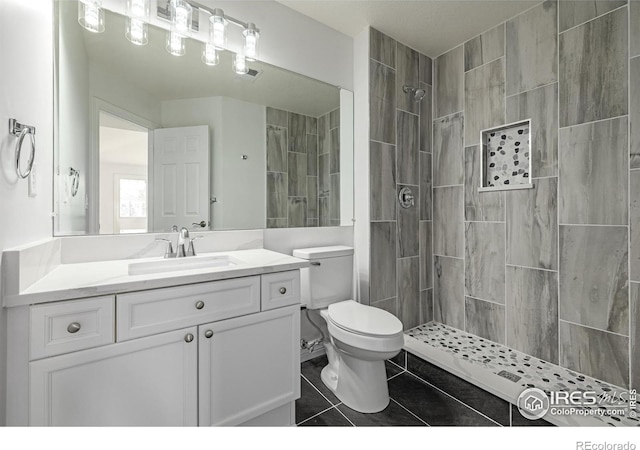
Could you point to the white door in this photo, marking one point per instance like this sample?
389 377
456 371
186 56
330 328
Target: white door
242 375
180 177
145 382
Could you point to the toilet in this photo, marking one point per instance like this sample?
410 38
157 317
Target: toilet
361 337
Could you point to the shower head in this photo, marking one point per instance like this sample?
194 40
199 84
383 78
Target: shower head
418 94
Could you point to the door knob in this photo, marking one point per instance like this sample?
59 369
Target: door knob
201 224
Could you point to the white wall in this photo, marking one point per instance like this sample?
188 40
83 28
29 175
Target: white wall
26 93
361 152
73 120
108 87
237 128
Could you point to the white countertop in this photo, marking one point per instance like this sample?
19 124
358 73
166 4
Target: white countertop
90 279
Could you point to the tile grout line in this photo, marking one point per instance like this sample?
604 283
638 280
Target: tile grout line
343 415
532 89
396 375
487 301
629 194
588 21
593 328
452 397
587 123
530 268
506 202
591 225
409 411
318 390
558 197
315 415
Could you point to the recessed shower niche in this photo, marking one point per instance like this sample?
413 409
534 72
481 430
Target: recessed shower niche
506 160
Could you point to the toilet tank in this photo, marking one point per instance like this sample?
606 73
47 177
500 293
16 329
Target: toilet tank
330 277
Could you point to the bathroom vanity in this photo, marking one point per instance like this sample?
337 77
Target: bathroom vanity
196 347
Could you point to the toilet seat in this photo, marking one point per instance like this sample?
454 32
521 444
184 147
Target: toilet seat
364 327
365 320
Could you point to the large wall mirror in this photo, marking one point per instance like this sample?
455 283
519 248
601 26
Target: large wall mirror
146 140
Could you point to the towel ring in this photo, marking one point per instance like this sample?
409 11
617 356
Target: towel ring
21 131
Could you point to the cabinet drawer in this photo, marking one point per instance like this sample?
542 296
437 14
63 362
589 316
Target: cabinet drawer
156 311
280 289
71 326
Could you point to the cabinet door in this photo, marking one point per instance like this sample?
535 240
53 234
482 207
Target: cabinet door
146 382
250 365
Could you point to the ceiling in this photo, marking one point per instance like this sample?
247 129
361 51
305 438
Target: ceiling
430 26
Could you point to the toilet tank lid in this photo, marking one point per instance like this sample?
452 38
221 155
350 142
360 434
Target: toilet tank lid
323 252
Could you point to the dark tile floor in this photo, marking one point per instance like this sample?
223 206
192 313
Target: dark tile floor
445 400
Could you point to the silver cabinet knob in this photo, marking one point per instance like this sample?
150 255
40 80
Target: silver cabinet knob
283 290
73 328
208 334
199 305
188 338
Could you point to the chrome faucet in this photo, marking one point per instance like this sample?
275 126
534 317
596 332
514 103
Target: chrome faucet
183 238
184 245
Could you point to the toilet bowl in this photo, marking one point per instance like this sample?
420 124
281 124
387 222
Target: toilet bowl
361 337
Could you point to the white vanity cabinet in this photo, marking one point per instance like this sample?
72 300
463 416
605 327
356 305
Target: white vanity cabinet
145 382
205 354
248 366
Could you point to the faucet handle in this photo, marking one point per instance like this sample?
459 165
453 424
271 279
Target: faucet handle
169 253
192 250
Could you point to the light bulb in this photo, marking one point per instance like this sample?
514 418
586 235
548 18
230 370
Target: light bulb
91 16
218 29
138 9
210 54
137 32
181 17
175 44
251 36
240 64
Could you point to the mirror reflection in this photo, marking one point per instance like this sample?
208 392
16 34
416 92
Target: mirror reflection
147 140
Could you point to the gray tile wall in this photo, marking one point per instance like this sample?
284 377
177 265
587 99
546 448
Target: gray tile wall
552 271
400 155
303 169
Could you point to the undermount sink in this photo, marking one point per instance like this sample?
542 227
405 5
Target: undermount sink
186 263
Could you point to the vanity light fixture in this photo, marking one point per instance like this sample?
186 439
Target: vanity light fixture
181 14
210 54
218 29
137 16
137 32
240 64
91 15
251 35
175 44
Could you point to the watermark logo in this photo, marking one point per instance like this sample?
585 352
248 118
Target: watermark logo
533 403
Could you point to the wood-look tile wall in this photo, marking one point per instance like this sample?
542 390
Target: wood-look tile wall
553 271
303 169
400 155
